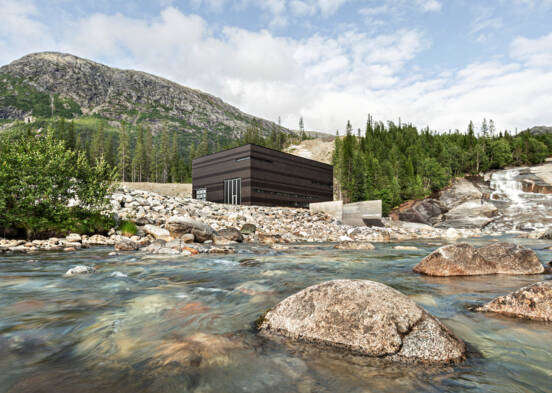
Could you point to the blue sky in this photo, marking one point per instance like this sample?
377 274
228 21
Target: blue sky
431 62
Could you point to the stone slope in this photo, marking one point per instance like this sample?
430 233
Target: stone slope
85 87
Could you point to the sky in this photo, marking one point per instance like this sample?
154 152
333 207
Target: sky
436 63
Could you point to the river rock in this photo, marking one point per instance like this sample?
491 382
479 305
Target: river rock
80 269
126 245
73 238
546 235
178 226
464 260
187 238
350 245
366 318
157 232
98 240
248 229
426 211
530 302
231 234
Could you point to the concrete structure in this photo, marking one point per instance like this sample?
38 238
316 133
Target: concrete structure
256 175
356 214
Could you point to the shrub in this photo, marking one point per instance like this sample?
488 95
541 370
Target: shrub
128 228
40 179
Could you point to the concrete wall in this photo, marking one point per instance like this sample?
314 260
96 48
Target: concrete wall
355 214
333 208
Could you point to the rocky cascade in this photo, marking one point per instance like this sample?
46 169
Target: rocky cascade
136 97
530 302
366 318
465 260
506 200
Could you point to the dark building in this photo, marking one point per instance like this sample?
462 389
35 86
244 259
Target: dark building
256 175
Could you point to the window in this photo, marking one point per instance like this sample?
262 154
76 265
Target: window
201 194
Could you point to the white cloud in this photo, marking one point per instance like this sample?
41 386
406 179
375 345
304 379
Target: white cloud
430 5
327 79
535 52
20 32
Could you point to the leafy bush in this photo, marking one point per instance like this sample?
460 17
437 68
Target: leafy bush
46 188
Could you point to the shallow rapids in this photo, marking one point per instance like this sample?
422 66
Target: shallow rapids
179 324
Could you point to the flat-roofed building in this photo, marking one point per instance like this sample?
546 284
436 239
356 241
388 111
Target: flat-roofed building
256 175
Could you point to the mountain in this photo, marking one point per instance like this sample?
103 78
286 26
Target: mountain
537 130
51 84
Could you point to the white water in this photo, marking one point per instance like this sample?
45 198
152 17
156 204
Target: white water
523 210
505 185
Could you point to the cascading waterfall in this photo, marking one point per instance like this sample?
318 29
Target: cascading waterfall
523 210
505 185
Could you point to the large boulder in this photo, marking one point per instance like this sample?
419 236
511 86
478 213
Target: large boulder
461 191
470 214
465 260
366 318
178 226
157 232
425 211
530 302
231 234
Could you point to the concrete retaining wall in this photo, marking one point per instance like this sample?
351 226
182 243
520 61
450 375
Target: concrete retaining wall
356 214
333 208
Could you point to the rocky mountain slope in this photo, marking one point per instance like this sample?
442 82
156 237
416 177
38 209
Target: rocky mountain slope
56 84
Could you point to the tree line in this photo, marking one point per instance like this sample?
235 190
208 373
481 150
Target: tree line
165 157
397 162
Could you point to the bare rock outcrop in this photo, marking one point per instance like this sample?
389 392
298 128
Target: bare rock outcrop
366 318
465 260
530 302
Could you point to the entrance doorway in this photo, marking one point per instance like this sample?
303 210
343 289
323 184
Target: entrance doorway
232 191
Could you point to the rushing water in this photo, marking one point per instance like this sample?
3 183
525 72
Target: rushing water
180 324
519 209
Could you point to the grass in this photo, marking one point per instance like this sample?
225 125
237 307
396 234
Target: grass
128 228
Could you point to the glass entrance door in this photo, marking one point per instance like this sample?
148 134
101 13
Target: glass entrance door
232 191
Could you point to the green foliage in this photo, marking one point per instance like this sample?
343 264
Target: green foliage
40 178
397 163
128 228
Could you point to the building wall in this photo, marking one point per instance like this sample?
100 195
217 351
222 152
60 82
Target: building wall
269 177
210 172
281 179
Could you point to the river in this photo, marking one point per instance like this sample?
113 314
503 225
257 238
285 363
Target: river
186 324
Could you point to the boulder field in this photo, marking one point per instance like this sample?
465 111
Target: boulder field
531 302
365 318
466 260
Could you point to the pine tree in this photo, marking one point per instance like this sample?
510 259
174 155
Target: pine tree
174 159
124 153
165 155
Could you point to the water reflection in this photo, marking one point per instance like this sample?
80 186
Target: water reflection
154 324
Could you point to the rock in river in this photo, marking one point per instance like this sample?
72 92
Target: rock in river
465 260
179 226
530 302
80 269
366 318
352 245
